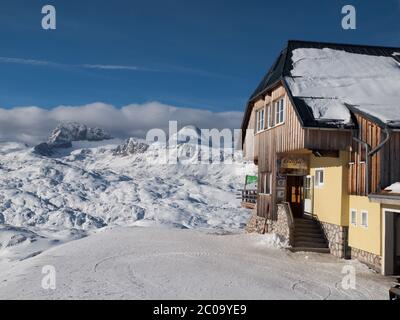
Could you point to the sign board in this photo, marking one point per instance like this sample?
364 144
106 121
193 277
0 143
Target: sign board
251 182
293 165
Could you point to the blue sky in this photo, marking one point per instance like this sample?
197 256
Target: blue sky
197 54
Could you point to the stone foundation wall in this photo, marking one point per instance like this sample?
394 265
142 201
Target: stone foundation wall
337 237
256 224
283 227
370 259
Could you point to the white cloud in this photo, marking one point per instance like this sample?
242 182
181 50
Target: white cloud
33 124
112 67
45 63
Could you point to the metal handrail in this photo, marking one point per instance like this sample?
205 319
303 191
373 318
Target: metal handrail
290 213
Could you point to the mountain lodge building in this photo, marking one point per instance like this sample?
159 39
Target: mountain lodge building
323 127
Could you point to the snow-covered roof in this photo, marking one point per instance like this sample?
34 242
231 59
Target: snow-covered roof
394 188
328 80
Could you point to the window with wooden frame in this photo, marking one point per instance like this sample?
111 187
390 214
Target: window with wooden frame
268 117
364 219
352 155
280 111
265 180
260 120
272 115
319 177
353 217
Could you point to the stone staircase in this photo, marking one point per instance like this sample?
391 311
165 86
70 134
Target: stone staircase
308 236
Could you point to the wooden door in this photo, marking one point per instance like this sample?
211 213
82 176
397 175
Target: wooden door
397 244
294 195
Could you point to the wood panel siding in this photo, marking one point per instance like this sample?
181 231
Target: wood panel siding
371 134
390 162
384 168
289 137
329 140
282 138
264 206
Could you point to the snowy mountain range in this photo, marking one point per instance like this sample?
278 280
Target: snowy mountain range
81 180
67 132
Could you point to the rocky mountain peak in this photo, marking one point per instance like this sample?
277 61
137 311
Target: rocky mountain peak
67 132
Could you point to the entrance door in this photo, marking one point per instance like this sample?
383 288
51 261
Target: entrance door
308 195
392 243
295 195
397 244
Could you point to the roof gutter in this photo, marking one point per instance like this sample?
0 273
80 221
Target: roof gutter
370 153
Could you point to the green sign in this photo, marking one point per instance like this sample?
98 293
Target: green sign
251 180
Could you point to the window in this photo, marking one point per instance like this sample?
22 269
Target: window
363 154
307 188
260 115
352 155
319 178
271 115
353 217
364 219
280 111
265 183
268 119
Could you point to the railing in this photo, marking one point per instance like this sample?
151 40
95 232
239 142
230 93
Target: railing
248 197
289 214
290 222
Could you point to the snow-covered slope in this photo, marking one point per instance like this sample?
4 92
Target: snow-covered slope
91 186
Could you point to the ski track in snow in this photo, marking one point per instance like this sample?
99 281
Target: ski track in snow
165 263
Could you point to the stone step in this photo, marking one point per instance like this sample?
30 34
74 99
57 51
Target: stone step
309 239
307 225
308 229
309 234
305 221
310 244
317 250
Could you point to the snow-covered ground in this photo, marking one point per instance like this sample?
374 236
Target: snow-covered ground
115 221
69 193
165 263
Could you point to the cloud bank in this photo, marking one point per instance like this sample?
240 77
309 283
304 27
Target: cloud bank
33 124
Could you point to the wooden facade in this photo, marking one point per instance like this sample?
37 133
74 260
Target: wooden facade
289 137
384 166
292 138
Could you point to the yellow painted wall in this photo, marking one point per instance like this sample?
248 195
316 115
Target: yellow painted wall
367 239
331 201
